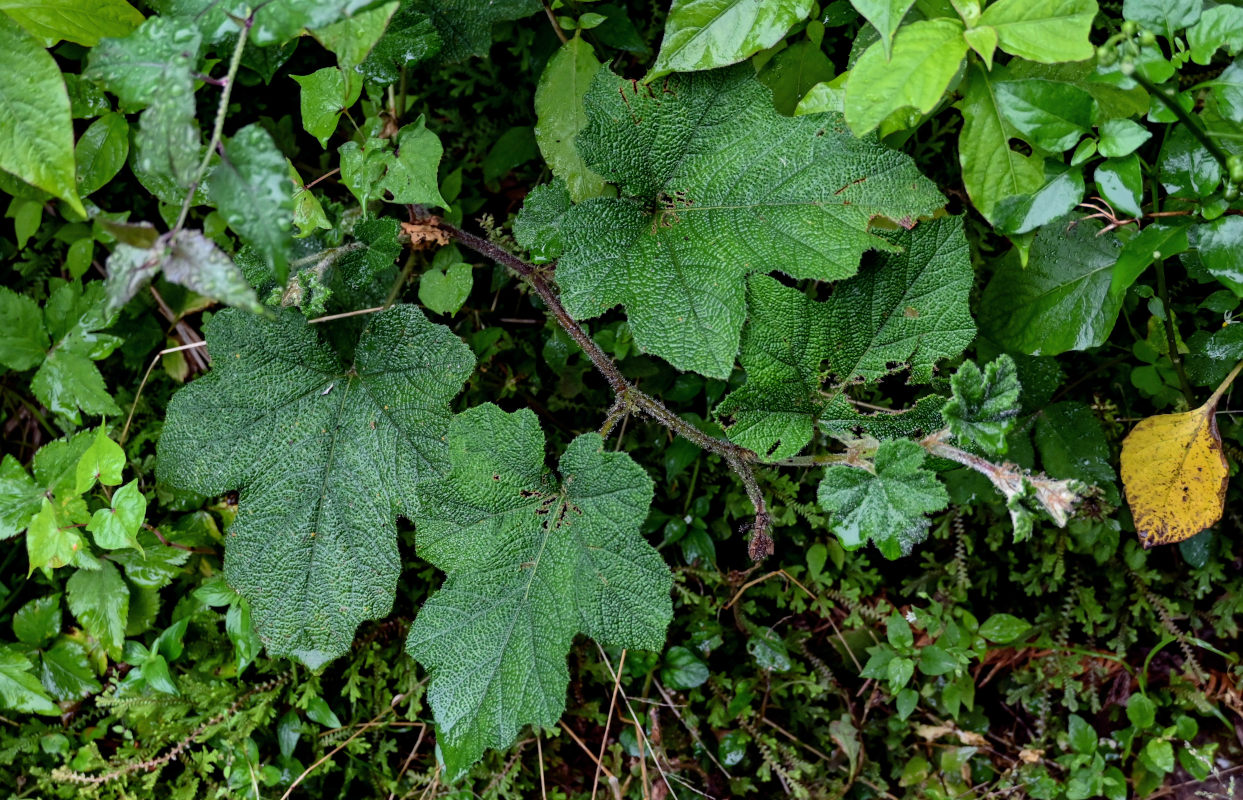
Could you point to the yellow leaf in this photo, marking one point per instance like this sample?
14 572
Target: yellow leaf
1175 473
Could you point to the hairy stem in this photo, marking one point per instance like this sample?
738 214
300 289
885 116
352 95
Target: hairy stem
218 129
740 459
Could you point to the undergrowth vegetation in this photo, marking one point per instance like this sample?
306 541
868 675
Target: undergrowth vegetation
604 398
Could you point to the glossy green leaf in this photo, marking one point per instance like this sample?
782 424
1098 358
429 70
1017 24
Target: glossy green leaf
465 26
20 497
886 506
68 382
1049 114
36 130
324 97
1121 182
1228 91
101 152
66 671
99 599
352 39
1164 17
705 201
1121 137
926 56
1004 628
705 34
281 418
991 170
530 562
1185 167
83 23
1046 31
1140 251
1218 27
885 16
984 404
983 40
308 213
103 461
1025 213
252 190
901 311
793 72
38 622
20 690
1062 300
1072 444
445 292
560 116
682 669
410 39
1220 244
24 341
118 526
1141 711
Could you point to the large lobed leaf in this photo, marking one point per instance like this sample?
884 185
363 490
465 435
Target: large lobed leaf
326 455
530 562
714 185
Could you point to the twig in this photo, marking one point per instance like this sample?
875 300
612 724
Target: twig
406 764
325 176
151 366
178 545
361 729
556 27
641 735
740 459
600 764
664 693
218 129
608 720
342 315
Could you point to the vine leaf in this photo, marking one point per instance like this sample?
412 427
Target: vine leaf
714 185
1175 473
530 562
409 39
906 309
886 504
326 454
984 404
80 23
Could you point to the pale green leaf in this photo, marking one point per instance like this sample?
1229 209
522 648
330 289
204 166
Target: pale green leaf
1220 26
705 34
926 56
83 23
1121 137
103 461
23 339
445 292
530 561
99 599
308 213
118 526
324 97
352 39
885 16
326 455
991 170
984 405
20 690
1163 17
51 542
20 497
1046 31
560 116
410 175
36 129
252 190
706 199
983 41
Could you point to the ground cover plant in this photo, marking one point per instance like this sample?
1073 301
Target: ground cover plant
594 398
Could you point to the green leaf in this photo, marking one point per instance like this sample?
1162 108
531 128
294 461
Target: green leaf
38 622
1021 214
886 506
1160 754
935 660
898 631
411 38
101 152
840 417
252 190
325 96
308 213
560 116
118 526
99 599
67 673
793 72
1004 628
411 175
67 381
513 148
1121 137
20 690
1082 735
352 39
530 562
318 710
1228 92
991 171
902 310
195 262
20 497
984 404
926 56
1050 114
1072 445
1220 244
885 16
36 129
1141 711
705 34
103 461
465 26
1046 31
682 669
1121 182
283 419
445 292
1186 167
538 226
1163 16
79 22
1218 27
23 339
983 41
1062 300
705 202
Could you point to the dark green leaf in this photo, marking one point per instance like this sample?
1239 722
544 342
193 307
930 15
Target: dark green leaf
410 39
251 188
984 404
1220 245
1186 167
99 599
1050 114
1019 214
66 672
101 152
682 669
465 26
38 622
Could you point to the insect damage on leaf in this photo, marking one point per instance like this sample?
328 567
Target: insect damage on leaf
1175 473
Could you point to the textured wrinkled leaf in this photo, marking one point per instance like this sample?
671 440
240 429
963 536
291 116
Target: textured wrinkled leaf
99 599
1047 31
1175 473
465 26
984 403
83 23
20 497
118 526
1062 300
36 129
560 116
926 55
530 562
991 170
538 226
841 417
101 152
887 506
20 690
706 200
252 190
325 454
23 339
705 34
103 461
885 16
409 39
903 310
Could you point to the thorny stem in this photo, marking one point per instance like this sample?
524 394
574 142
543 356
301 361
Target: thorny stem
218 129
740 459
